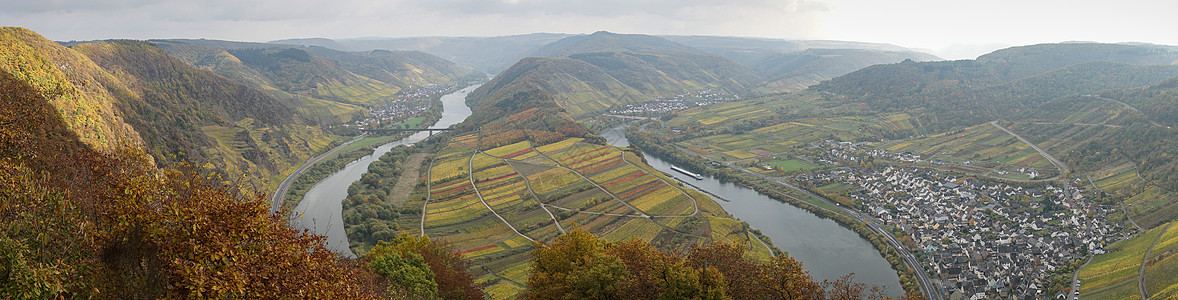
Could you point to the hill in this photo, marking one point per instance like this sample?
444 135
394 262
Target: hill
589 74
966 92
87 213
227 125
490 55
796 71
325 85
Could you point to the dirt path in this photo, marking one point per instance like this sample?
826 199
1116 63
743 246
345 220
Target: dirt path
1062 167
408 179
470 173
1141 274
528 184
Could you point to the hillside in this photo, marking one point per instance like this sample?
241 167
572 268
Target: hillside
490 55
796 71
87 214
581 88
227 125
325 85
589 74
966 92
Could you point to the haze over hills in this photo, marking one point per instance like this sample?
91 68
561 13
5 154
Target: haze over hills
490 55
495 54
592 73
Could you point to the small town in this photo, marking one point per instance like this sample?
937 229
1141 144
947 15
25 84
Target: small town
980 239
409 102
664 105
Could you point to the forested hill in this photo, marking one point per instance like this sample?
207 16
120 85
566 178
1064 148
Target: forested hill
86 213
796 71
326 85
967 92
590 74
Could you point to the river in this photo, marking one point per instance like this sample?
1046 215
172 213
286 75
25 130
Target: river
321 208
825 249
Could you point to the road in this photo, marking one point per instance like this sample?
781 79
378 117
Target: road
1062 168
1144 260
280 193
921 276
1154 123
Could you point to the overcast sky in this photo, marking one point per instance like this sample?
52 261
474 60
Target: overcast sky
949 28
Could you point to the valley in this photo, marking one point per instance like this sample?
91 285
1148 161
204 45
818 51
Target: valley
824 168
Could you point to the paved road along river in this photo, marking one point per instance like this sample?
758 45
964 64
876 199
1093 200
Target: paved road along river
320 209
826 249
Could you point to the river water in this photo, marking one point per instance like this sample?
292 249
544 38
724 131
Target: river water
825 249
321 208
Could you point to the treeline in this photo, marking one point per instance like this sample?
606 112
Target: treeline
368 211
580 266
318 172
664 148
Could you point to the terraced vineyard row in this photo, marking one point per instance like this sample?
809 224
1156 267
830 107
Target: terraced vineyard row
493 204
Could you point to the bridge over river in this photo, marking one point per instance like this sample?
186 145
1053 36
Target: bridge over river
392 130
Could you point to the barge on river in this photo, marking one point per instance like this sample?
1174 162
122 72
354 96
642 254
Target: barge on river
688 173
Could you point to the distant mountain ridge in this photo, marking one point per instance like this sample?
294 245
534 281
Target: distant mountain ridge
495 54
589 74
1005 81
490 55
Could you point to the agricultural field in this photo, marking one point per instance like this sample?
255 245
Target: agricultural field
983 146
1114 275
494 205
1161 270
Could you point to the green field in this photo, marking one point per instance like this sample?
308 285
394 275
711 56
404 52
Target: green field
791 165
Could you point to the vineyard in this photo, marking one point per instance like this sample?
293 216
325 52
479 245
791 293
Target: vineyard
495 204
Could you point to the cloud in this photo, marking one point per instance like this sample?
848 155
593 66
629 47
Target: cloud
261 20
618 8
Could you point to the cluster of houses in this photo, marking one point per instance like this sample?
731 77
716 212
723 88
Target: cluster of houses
409 102
980 239
663 105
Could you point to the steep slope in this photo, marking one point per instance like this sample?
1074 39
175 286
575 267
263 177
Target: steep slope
795 71
73 85
195 116
85 214
589 74
581 88
328 86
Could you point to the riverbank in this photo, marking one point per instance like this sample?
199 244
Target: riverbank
875 235
320 209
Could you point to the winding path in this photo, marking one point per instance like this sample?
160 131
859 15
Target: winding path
1145 259
470 175
1062 168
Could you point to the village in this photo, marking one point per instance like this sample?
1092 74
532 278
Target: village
664 105
409 102
980 238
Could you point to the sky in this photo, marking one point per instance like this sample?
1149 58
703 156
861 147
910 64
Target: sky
951 29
